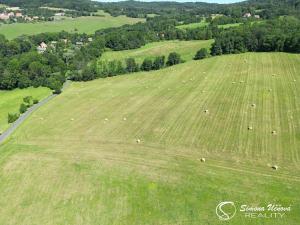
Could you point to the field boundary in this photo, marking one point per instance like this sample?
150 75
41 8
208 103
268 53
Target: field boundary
25 115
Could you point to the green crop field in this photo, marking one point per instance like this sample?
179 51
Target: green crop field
187 50
88 24
225 26
10 101
203 23
127 149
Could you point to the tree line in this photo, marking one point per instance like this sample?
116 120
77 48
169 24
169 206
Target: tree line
280 35
102 69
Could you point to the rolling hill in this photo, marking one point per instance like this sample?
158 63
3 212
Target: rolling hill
127 149
186 49
84 24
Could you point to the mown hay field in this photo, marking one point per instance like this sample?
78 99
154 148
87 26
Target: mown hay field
186 49
77 160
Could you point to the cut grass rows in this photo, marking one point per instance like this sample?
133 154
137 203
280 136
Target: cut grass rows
91 170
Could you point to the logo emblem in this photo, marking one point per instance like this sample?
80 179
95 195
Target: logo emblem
225 210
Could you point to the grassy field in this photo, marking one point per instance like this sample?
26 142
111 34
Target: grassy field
187 50
10 101
225 26
76 160
203 23
83 24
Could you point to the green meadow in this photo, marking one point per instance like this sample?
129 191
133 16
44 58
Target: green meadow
88 24
205 24
127 149
187 50
10 101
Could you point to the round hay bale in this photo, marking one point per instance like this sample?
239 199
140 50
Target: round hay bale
250 128
124 118
72 119
202 159
233 82
253 105
106 119
138 141
270 89
206 111
274 132
275 167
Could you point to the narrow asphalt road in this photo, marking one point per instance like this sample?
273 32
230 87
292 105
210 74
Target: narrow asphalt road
23 116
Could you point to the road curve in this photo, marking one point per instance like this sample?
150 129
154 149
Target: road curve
23 116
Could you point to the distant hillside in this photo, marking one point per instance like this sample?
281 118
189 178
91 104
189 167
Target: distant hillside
80 5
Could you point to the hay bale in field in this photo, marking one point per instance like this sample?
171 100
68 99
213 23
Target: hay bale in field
253 105
138 141
206 111
242 81
270 89
233 82
250 128
202 159
124 118
106 119
275 167
274 132
72 119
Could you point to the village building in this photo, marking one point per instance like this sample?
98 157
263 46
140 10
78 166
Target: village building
42 47
247 15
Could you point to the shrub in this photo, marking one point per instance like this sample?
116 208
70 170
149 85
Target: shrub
173 59
57 91
159 62
12 117
27 100
131 65
23 108
146 65
35 101
201 54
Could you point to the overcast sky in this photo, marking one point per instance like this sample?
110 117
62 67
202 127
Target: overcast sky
210 1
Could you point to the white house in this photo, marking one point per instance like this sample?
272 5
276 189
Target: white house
247 15
42 47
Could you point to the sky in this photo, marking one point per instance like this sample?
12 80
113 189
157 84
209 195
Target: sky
210 1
